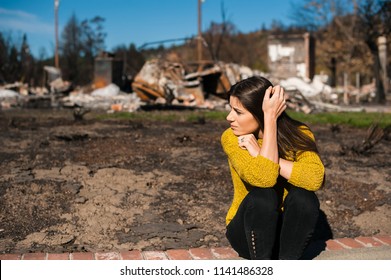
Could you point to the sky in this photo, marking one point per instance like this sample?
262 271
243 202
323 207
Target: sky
135 21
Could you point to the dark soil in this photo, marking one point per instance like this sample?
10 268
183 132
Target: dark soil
91 185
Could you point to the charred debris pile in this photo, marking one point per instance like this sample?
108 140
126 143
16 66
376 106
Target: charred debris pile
163 84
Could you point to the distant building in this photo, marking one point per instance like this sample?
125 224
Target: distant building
291 55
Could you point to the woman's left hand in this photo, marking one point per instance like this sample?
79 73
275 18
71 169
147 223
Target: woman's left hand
249 142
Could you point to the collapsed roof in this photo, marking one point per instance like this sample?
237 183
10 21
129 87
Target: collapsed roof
187 84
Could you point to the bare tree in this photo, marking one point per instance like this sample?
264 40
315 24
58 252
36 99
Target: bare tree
93 36
217 32
71 48
4 58
133 59
375 21
26 61
316 14
348 30
93 41
81 42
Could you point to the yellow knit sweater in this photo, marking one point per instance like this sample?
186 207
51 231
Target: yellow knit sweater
248 171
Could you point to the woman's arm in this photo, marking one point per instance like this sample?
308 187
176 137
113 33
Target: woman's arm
258 165
285 168
307 171
273 105
257 171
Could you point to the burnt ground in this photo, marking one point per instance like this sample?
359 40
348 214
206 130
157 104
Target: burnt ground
99 185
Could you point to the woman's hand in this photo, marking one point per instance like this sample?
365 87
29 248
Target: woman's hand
249 142
273 102
273 105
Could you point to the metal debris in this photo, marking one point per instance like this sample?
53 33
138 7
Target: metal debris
188 84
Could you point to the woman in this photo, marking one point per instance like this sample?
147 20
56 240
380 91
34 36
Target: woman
275 168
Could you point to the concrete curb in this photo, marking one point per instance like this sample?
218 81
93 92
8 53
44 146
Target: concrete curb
375 247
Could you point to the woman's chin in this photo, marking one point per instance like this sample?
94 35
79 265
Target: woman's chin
236 132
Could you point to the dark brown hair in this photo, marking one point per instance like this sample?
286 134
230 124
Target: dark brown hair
290 136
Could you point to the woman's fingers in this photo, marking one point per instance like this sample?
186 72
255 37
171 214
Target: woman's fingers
281 109
274 101
278 95
242 142
268 92
278 91
280 101
249 142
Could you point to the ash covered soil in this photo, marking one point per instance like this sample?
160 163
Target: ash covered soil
100 185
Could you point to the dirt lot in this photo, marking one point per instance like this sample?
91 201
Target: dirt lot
154 185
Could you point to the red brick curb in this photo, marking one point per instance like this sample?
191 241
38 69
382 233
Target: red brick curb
220 253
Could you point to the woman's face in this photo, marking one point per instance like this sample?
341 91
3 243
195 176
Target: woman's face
241 121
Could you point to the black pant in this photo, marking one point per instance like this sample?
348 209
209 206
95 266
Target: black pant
260 231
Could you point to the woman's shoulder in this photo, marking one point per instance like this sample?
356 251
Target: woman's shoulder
227 135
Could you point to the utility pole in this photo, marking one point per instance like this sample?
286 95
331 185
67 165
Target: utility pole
56 4
199 41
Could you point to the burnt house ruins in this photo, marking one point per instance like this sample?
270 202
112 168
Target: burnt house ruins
291 55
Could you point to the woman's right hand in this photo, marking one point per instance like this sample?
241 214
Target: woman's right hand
273 102
273 105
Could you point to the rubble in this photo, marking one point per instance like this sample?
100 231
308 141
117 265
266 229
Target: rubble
108 91
162 84
317 96
190 84
312 89
6 93
9 98
54 81
109 98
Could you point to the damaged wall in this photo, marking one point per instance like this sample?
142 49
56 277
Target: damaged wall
107 70
291 55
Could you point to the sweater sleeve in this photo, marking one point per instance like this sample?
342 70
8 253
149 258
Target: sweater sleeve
257 171
308 170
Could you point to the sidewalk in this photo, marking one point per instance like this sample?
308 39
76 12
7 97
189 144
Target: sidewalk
359 248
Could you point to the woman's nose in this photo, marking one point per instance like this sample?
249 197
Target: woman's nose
230 117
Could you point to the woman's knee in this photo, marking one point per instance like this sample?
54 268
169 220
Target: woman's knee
262 199
302 199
